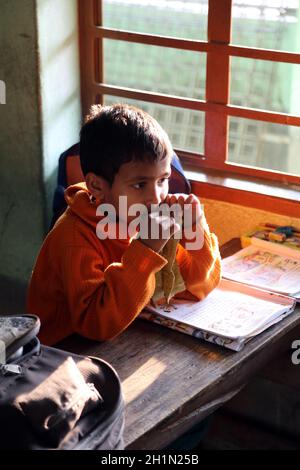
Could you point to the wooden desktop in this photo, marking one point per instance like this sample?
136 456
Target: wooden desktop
171 381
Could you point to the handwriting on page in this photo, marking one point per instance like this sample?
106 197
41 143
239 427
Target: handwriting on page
225 312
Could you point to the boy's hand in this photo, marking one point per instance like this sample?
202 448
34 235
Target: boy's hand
184 200
160 229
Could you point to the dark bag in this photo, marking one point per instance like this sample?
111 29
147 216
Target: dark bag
52 399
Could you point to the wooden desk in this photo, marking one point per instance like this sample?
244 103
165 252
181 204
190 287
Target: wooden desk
171 380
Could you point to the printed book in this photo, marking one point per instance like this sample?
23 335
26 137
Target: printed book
265 265
286 236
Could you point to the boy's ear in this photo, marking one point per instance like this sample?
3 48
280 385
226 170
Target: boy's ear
96 185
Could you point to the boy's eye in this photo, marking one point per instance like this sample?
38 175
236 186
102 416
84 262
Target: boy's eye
142 184
163 180
138 185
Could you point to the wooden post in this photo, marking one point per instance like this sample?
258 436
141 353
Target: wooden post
217 82
89 67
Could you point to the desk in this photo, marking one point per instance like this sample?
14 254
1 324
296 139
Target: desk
171 380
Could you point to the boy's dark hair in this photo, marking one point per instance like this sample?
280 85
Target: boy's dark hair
118 134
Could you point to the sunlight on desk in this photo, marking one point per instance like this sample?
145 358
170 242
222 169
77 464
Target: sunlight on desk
131 391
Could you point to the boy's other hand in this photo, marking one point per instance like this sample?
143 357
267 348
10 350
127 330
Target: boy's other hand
184 200
160 229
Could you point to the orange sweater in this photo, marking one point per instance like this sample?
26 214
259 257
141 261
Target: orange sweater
98 287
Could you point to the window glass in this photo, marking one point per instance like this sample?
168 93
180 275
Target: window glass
265 84
184 126
175 18
152 68
267 24
264 145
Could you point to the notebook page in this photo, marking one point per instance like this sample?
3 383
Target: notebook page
226 313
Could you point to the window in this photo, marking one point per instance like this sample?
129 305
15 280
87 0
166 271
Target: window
226 103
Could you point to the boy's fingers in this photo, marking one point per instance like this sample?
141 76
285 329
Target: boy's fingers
167 199
175 199
181 199
160 229
192 199
172 200
166 224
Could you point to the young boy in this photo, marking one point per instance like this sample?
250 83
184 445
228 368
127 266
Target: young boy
94 285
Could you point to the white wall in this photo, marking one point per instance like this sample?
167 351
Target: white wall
58 47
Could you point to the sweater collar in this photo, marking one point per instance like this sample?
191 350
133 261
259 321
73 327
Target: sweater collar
80 203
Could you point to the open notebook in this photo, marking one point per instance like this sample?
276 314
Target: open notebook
229 316
266 265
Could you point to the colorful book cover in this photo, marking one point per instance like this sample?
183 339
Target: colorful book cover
190 330
271 233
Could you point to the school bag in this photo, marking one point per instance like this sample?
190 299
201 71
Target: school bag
69 172
53 399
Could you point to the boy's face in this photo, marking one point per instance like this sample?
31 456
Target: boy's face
141 182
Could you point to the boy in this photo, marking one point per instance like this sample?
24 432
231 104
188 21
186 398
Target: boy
96 286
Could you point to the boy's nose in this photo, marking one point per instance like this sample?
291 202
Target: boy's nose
154 197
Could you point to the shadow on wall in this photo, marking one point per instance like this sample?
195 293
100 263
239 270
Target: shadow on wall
50 185
12 295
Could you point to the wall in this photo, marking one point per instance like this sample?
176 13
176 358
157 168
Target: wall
60 84
228 220
21 190
40 67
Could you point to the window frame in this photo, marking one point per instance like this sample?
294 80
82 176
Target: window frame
216 106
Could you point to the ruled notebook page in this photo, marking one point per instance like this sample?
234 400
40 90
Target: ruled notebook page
228 312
